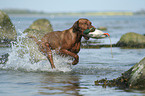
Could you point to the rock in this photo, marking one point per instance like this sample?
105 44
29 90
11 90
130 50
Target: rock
102 28
131 40
7 30
42 25
29 45
137 76
133 78
4 58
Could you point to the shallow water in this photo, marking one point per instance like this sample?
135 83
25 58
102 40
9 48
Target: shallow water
79 80
21 78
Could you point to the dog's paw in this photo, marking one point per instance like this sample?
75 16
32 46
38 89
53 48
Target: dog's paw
75 62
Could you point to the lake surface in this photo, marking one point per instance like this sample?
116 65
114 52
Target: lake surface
21 78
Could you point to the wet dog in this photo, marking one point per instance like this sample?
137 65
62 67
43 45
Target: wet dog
65 42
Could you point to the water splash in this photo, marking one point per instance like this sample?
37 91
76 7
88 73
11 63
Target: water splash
23 63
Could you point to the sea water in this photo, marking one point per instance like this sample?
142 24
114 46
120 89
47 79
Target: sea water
20 77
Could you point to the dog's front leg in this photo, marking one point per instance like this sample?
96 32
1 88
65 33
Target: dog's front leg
66 52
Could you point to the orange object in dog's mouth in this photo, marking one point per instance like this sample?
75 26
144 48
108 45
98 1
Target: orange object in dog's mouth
107 34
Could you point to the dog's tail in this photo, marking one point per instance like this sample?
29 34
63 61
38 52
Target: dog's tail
35 39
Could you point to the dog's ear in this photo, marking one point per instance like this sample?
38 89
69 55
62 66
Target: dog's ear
76 26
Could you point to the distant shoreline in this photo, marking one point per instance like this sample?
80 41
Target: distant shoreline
106 13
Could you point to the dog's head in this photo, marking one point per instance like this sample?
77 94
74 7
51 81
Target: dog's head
81 25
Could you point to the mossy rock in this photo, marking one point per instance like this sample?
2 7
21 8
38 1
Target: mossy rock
29 45
137 77
131 40
33 32
7 30
133 78
42 25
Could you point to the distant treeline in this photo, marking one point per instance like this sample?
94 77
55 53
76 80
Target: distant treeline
17 11
111 13
141 12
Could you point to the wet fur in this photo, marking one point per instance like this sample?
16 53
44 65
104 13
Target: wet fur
65 42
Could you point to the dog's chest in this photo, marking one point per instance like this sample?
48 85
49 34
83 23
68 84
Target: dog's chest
75 48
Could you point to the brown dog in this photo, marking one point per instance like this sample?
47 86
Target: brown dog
65 42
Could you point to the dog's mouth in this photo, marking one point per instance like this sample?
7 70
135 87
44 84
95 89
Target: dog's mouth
87 31
86 37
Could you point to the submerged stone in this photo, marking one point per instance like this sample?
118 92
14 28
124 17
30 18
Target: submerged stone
131 40
7 30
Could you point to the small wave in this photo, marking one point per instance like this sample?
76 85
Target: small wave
24 64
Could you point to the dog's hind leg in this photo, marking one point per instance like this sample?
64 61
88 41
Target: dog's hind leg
49 55
44 48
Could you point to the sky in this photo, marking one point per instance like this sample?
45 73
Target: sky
74 5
